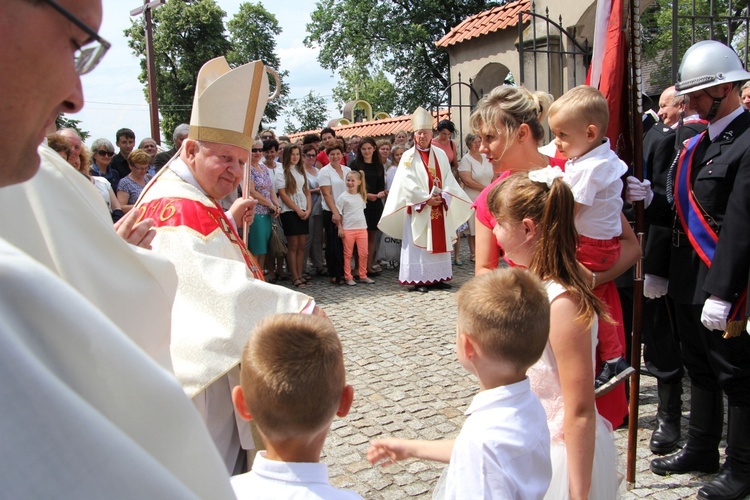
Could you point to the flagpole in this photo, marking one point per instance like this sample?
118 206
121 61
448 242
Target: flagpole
637 138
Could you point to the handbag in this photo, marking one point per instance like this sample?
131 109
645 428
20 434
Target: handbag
389 249
276 247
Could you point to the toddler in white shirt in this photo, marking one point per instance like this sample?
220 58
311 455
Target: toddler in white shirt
579 120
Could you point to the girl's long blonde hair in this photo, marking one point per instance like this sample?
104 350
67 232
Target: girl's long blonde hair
554 256
362 189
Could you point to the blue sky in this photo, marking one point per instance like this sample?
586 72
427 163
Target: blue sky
114 96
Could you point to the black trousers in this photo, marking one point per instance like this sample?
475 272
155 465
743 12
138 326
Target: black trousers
713 362
334 247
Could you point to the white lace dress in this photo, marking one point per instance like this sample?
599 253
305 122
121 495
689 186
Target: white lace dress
545 382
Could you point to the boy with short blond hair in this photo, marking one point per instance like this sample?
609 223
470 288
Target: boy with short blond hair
593 171
503 449
292 384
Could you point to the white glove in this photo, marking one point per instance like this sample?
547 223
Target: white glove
715 313
636 190
654 286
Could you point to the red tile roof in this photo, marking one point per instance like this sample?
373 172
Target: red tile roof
373 128
489 21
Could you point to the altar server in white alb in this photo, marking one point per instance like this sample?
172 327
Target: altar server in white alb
425 206
221 293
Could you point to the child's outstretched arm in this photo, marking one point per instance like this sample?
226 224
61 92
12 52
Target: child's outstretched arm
390 450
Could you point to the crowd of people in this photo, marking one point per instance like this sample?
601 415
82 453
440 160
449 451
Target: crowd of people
221 360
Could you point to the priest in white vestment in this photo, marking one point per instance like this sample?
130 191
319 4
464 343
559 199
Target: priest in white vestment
221 293
90 406
425 207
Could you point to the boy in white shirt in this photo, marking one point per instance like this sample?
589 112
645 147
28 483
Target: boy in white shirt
503 449
292 384
593 171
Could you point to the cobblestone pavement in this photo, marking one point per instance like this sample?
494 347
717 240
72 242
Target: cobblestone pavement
399 352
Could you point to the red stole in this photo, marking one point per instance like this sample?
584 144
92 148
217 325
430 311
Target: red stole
437 216
200 218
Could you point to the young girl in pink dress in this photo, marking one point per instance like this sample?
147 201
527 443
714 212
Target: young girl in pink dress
535 227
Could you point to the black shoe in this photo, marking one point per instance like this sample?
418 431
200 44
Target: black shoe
733 482
419 288
728 485
441 285
611 375
685 461
701 452
667 433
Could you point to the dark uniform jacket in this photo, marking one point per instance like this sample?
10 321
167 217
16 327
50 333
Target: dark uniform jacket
720 181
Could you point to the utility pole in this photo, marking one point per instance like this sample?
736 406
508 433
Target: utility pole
153 101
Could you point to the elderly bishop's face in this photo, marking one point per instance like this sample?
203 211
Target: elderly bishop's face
39 78
218 168
423 138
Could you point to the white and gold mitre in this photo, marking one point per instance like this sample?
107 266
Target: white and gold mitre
229 103
422 119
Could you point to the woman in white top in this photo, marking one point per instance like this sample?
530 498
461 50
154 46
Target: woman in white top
475 171
332 181
296 206
536 228
314 246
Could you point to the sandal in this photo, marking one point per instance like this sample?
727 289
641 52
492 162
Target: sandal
300 283
376 268
458 262
335 281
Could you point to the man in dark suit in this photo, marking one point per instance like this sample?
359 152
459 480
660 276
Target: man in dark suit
179 135
708 267
661 346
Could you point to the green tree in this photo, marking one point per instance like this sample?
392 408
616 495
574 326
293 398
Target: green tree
397 36
63 121
311 112
251 34
187 33
357 83
694 24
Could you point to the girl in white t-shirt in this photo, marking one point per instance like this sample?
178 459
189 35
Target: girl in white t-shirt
353 225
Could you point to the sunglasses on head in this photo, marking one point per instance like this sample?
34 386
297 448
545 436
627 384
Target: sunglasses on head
105 153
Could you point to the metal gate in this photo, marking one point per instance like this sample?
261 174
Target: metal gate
722 20
456 109
550 57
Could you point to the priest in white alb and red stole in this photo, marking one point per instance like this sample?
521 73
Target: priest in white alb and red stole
221 293
425 207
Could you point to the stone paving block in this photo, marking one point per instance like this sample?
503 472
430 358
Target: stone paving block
417 488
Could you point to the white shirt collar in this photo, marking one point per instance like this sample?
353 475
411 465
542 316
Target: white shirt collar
716 128
596 152
292 472
491 397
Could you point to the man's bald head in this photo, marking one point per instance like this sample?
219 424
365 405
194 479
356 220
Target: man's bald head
670 106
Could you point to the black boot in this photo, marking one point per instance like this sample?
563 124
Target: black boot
667 433
701 452
734 480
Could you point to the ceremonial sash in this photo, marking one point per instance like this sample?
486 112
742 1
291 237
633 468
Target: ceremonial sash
200 218
437 222
702 236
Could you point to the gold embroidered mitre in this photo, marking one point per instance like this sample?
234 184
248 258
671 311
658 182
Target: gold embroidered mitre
229 103
422 119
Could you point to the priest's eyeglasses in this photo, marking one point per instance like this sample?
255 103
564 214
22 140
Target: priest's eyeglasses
86 58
